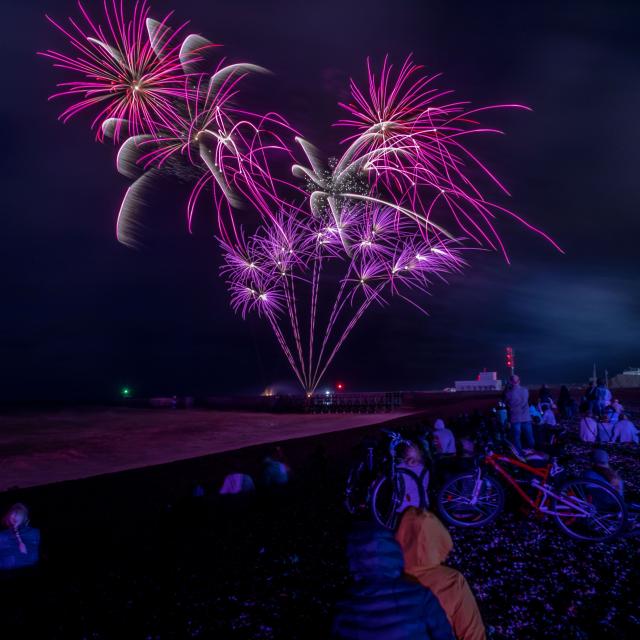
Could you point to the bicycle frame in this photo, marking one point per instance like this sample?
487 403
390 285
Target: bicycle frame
541 477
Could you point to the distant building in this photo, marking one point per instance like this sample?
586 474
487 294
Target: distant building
629 378
486 381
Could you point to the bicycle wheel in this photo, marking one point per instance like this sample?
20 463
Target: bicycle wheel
387 497
591 510
458 506
355 495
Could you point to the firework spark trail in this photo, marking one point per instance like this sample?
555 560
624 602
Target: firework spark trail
388 257
152 90
407 139
373 210
122 73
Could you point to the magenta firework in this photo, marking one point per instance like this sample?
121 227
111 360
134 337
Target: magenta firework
384 219
288 273
130 69
173 110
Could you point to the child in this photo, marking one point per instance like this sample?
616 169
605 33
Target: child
415 477
19 543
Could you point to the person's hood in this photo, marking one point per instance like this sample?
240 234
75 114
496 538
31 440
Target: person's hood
424 540
373 553
438 424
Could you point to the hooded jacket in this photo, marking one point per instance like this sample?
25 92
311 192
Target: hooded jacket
426 544
517 399
382 604
445 440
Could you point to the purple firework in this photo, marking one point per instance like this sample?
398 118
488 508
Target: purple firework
283 270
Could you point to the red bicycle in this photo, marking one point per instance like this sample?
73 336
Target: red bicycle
583 509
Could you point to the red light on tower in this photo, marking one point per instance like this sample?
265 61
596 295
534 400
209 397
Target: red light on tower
339 386
511 361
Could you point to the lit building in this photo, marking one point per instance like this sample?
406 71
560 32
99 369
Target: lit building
486 381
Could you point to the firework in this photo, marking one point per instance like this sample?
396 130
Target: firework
408 139
385 219
283 270
130 71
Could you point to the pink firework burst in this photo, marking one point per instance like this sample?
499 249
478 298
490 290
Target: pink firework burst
409 141
131 71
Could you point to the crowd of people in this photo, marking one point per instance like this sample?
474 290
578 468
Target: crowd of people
385 600
401 585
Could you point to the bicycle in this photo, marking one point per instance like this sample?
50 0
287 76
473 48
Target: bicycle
378 482
586 510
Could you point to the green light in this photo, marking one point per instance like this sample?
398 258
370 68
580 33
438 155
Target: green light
125 392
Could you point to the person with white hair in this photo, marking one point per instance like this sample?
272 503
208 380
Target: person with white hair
625 431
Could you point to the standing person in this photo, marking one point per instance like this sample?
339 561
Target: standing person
382 604
19 542
425 545
444 439
625 431
589 398
565 403
544 396
602 397
517 401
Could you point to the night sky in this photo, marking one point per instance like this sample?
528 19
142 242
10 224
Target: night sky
82 315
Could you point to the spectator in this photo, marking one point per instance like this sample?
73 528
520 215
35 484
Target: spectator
415 477
589 398
275 471
602 397
625 431
517 400
19 542
235 483
444 439
605 428
565 403
534 413
425 545
588 428
612 415
548 417
616 406
501 412
544 396
382 604
600 470
547 424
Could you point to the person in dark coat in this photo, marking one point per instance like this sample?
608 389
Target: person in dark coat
382 604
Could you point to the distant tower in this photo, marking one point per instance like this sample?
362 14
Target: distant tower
594 377
606 378
511 361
